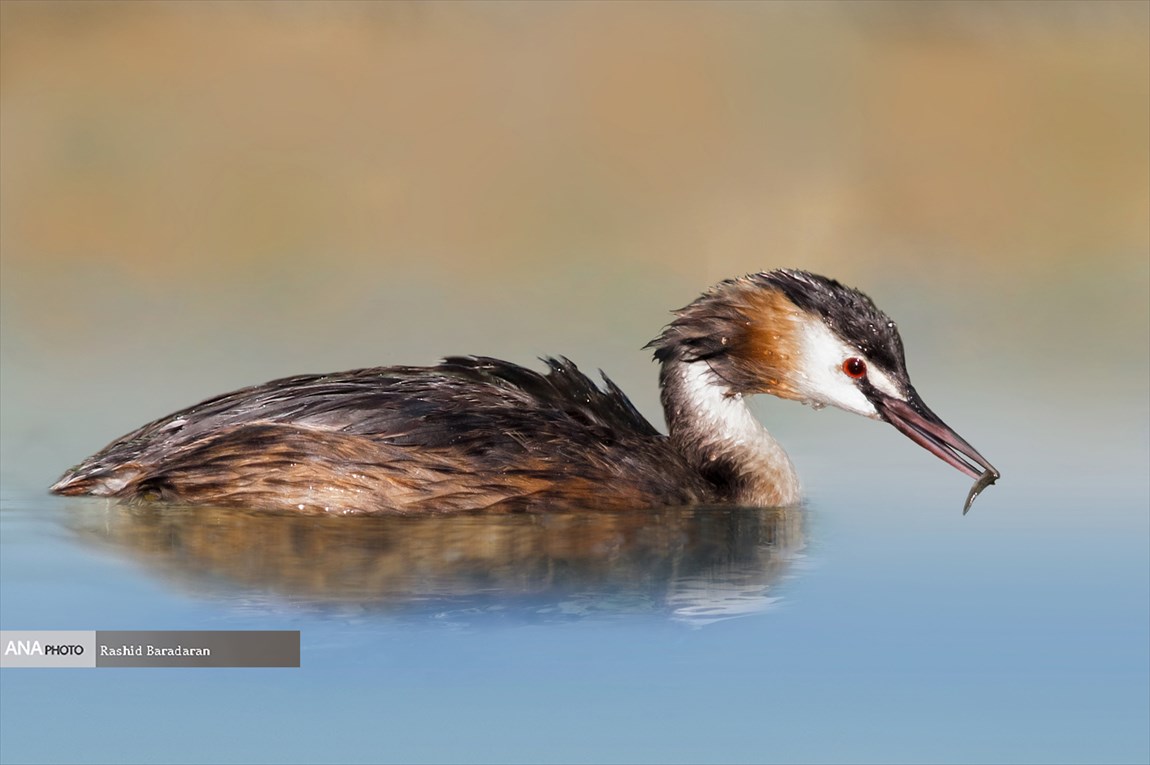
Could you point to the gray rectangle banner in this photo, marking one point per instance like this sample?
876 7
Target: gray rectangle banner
197 648
147 648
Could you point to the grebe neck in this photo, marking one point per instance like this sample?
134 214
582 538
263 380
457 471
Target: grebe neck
712 427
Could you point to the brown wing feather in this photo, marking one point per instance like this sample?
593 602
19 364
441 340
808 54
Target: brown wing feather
470 432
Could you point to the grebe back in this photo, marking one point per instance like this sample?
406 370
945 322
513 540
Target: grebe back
476 432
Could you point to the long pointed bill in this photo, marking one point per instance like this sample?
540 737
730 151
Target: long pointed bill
925 428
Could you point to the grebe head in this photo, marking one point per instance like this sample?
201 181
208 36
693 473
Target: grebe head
800 336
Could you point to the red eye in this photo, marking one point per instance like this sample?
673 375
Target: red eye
854 367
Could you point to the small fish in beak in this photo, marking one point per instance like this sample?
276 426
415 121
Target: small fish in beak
915 420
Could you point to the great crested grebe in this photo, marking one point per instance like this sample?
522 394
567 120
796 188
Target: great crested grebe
475 432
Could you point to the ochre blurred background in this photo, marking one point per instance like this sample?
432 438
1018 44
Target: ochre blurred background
199 195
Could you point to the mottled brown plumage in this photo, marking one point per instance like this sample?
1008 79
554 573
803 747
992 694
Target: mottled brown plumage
470 432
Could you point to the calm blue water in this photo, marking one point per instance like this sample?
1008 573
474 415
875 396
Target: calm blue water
876 624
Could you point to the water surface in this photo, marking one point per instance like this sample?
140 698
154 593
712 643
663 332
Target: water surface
888 628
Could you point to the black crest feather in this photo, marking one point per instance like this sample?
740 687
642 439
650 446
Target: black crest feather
848 312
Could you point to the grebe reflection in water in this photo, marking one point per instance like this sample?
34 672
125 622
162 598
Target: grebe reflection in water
695 565
476 432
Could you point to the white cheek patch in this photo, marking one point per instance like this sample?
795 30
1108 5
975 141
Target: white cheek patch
820 378
883 382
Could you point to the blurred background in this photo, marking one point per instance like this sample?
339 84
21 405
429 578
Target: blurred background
196 196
